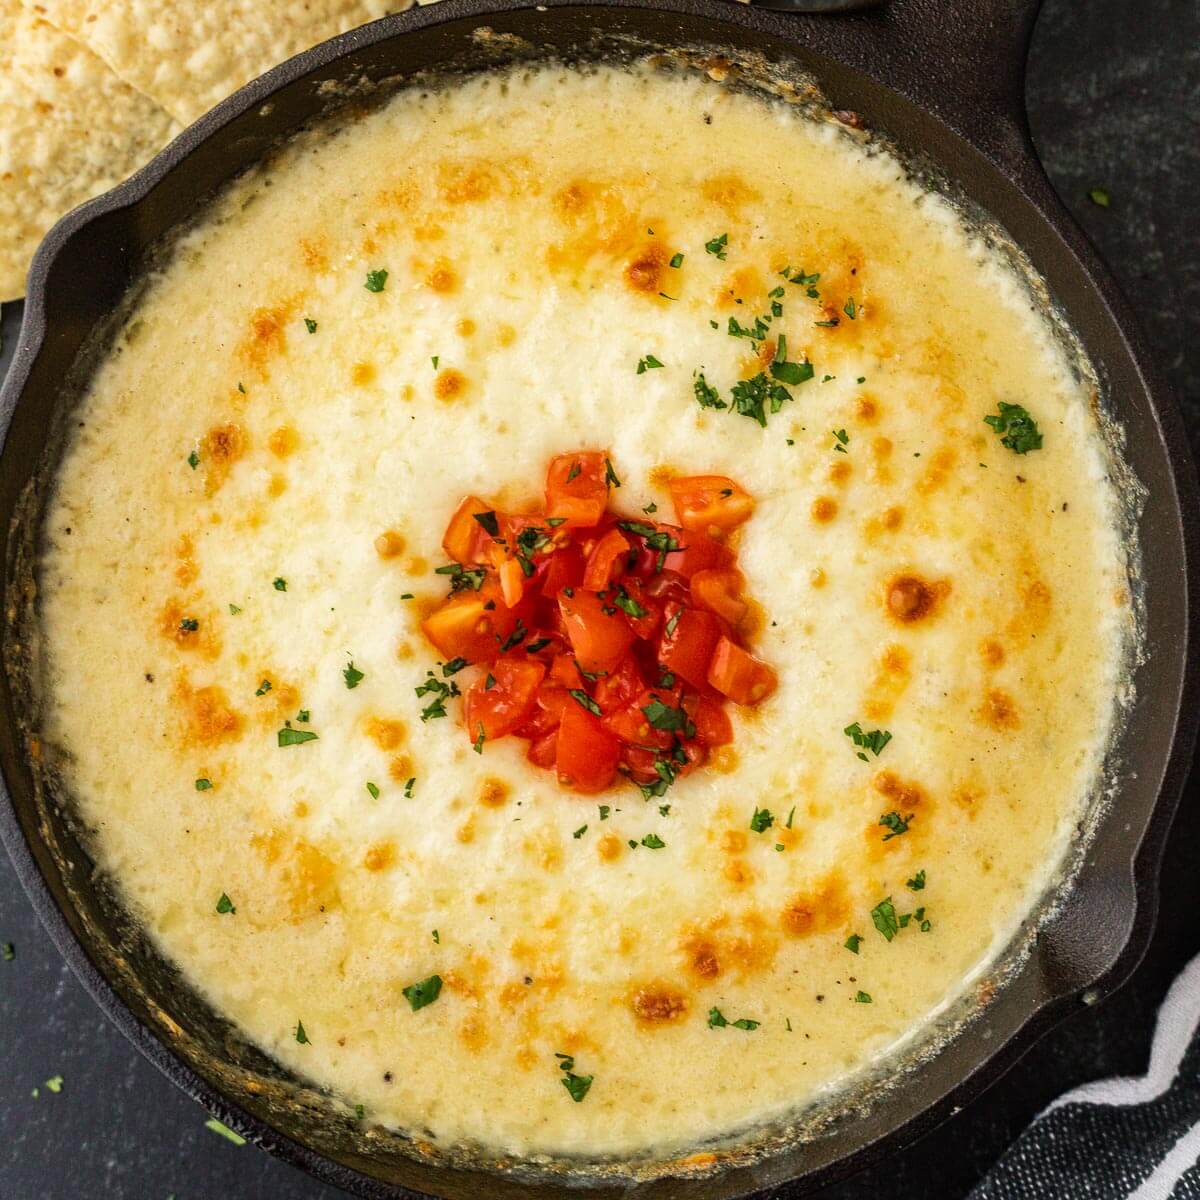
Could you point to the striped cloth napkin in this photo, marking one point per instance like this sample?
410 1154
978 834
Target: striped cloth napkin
1136 1138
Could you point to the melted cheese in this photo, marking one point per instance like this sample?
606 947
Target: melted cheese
924 579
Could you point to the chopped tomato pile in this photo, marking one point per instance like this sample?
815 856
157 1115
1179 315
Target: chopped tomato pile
610 644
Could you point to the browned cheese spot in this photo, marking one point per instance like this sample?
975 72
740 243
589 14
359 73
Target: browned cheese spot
890 682
314 254
493 793
992 653
903 795
400 768
466 182
908 598
362 373
609 847
840 470
208 718
658 1003
702 957
738 873
729 192
379 856
999 710
308 875
817 909
175 620
276 486
283 441
464 327
186 569
220 448
824 509
644 272
866 409
938 469
389 544
266 338
385 733
442 277
449 384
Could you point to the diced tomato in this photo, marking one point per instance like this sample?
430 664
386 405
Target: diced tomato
587 754
720 592
697 552
605 560
712 723
667 585
618 687
639 763
512 581
646 624
577 487
564 569
599 638
547 710
471 625
710 503
739 675
565 672
688 639
505 705
543 750
632 725
465 540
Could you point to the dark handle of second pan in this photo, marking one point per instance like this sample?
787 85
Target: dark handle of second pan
963 60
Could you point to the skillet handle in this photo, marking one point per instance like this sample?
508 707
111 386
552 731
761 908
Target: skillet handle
962 59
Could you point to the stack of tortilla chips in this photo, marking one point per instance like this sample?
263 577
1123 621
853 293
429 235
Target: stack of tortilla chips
91 89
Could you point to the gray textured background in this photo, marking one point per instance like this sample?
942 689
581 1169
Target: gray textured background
1114 97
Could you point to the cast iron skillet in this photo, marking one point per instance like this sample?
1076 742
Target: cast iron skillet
942 77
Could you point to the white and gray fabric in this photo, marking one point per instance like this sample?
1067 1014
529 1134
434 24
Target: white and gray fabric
1135 1138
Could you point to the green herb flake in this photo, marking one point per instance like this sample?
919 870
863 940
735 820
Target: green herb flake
585 701
717 246
610 476
917 882
228 1134
353 676
302 716
895 823
295 737
477 744
850 308
706 395
852 943
862 998
717 1020
437 937
842 438
301 1036
263 688
424 992
203 785
883 917
409 784
234 610
193 460
189 625
1019 429
874 741
376 280
225 905
647 363
676 260
1100 197
310 325
577 1085
373 790
653 842
791 815
604 811
359 1112
664 717
8 951
579 832
762 820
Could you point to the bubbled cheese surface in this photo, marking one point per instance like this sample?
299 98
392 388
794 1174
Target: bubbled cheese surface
527 225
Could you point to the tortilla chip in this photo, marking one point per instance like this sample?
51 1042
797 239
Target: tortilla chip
69 129
188 56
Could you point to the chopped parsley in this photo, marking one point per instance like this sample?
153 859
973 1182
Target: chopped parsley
1099 196
610 476
295 737
647 363
653 842
676 260
717 246
627 604
585 701
717 1020
664 717
753 397
917 882
9 951
310 325
850 308
489 522
234 610
788 822
193 460
263 688
301 1036
462 578
577 1085
852 943
424 992
841 439
574 471
376 280
189 625
409 784
1020 430
279 584
225 905
373 789
707 396
481 737
762 820
874 741
883 917
579 832
604 811
440 691
204 785
353 676
862 998
437 937
894 822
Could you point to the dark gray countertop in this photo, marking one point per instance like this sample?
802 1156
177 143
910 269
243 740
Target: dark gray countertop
1113 97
